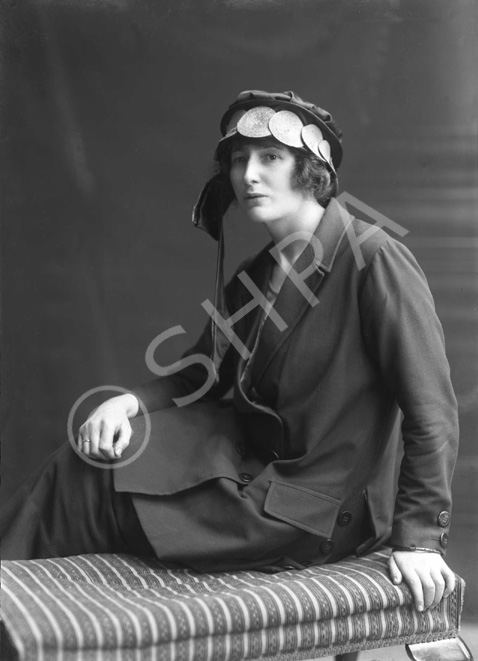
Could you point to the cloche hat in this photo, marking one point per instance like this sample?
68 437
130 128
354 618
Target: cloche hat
258 114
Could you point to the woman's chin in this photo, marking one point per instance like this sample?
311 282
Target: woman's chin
258 215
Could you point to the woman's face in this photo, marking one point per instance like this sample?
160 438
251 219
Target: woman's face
261 177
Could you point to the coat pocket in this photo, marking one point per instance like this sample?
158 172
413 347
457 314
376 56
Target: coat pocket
304 508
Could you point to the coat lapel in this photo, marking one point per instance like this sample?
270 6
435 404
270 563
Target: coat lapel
291 304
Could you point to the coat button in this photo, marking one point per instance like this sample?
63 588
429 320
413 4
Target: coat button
327 547
240 448
444 539
344 518
246 477
443 519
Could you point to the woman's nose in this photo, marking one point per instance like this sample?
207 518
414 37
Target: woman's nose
251 170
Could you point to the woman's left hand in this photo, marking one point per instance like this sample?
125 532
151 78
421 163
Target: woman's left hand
426 574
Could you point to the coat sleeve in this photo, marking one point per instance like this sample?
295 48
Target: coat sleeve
405 338
160 392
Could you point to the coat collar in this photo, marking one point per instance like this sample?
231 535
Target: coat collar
291 304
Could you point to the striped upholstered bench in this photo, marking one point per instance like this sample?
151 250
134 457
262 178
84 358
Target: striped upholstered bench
106 607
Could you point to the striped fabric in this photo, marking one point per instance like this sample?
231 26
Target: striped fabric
120 607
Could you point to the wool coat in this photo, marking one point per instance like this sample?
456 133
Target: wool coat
298 466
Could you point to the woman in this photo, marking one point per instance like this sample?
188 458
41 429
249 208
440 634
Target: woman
322 336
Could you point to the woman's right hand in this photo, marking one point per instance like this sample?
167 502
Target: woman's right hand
107 431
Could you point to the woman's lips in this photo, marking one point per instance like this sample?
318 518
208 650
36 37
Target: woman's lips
253 196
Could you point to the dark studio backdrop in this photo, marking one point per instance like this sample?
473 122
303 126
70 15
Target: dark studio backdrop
110 116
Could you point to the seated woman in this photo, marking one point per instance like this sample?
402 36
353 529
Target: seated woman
322 337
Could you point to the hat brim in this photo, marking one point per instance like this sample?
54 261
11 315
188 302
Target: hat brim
305 115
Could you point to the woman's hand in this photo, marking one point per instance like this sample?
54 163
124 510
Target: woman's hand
107 431
426 574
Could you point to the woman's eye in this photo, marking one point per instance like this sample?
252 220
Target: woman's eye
272 157
238 158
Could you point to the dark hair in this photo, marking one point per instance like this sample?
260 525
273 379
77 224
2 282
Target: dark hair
311 173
